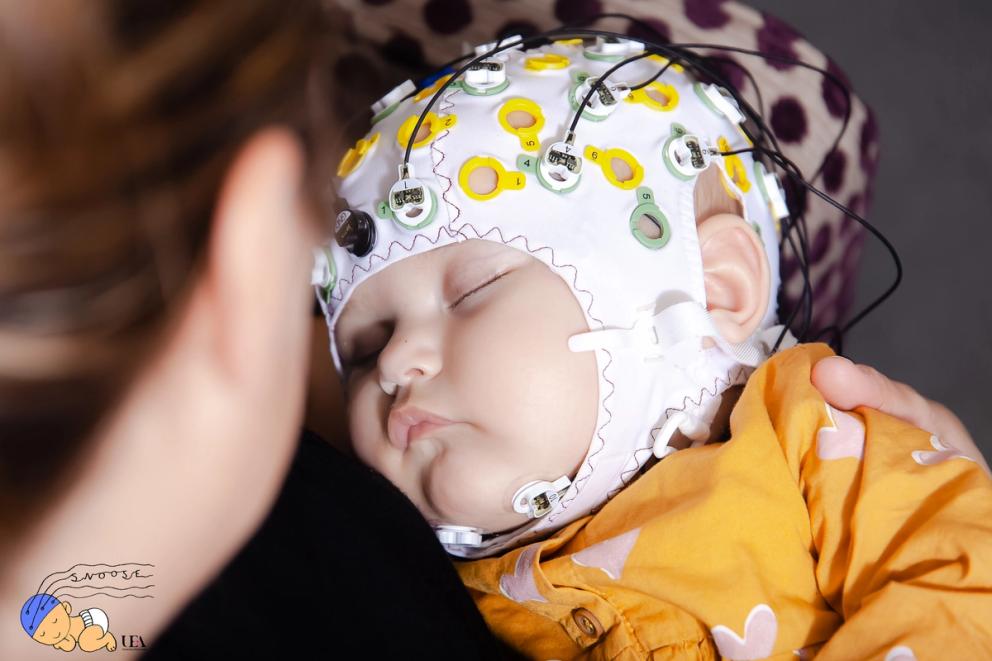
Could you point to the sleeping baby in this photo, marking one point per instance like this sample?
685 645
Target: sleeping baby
552 302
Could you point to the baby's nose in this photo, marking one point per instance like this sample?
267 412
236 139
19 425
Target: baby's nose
410 355
390 387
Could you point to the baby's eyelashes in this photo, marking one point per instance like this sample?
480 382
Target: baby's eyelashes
480 287
366 359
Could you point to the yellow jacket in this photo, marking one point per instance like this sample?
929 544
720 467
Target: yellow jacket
811 532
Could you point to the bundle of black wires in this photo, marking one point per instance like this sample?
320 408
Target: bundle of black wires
765 146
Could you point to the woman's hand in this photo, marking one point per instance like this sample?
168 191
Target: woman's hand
845 386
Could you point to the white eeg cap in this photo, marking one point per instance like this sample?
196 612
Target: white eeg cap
643 296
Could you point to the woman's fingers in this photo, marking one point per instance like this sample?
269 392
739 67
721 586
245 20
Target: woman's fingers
846 386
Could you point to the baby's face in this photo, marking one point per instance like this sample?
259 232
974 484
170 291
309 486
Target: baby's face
54 627
495 362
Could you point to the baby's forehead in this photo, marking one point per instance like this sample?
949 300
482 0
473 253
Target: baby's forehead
450 261
447 265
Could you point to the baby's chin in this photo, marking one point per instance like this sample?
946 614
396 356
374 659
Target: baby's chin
457 504
488 522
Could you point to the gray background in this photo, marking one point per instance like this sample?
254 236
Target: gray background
926 70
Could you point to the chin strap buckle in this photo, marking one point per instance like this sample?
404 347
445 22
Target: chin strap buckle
535 499
458 535
693 427
696 428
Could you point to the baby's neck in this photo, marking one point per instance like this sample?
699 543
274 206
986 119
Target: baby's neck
721 421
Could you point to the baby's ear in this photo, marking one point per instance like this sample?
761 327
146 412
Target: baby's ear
735 273
67 607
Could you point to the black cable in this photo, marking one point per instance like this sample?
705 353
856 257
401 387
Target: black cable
754 85
599 83
791 60
757 118
798 218
871 228
652 78
681 54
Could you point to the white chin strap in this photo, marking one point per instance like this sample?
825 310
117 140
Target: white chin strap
673 333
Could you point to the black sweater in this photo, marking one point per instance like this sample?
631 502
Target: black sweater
342 567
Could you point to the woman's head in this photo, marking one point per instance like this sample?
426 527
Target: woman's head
127 165
476 333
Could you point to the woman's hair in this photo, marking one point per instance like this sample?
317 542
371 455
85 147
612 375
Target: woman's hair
118 121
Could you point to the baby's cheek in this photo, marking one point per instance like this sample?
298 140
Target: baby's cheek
465 490
364 425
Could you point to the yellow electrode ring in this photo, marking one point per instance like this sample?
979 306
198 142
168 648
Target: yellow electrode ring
604 158
433 124
740 131
735 169
355 155
678 68
432 90
505 179
665 90
546 61
569 42
527 134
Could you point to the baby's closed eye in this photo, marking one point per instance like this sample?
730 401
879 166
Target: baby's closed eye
369 356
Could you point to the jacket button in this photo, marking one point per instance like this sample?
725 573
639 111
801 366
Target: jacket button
587 622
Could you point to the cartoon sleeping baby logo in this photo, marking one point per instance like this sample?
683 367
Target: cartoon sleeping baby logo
47 615
50 622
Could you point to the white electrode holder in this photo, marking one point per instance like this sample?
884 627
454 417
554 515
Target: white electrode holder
604 101
771 189
321 274
722 102
514 41
394 96
561 165
614 48
410 200
689 155
486 75
535 499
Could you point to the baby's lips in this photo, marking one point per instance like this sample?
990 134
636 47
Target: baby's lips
422 429
397 431
402 420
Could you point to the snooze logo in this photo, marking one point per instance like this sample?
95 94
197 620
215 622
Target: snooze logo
47 616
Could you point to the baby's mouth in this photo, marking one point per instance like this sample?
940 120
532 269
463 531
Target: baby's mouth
408 424
421 429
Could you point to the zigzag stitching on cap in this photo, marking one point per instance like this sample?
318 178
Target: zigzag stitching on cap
338 294
435 148
385 258
727 381
602 441
592 455
628 474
